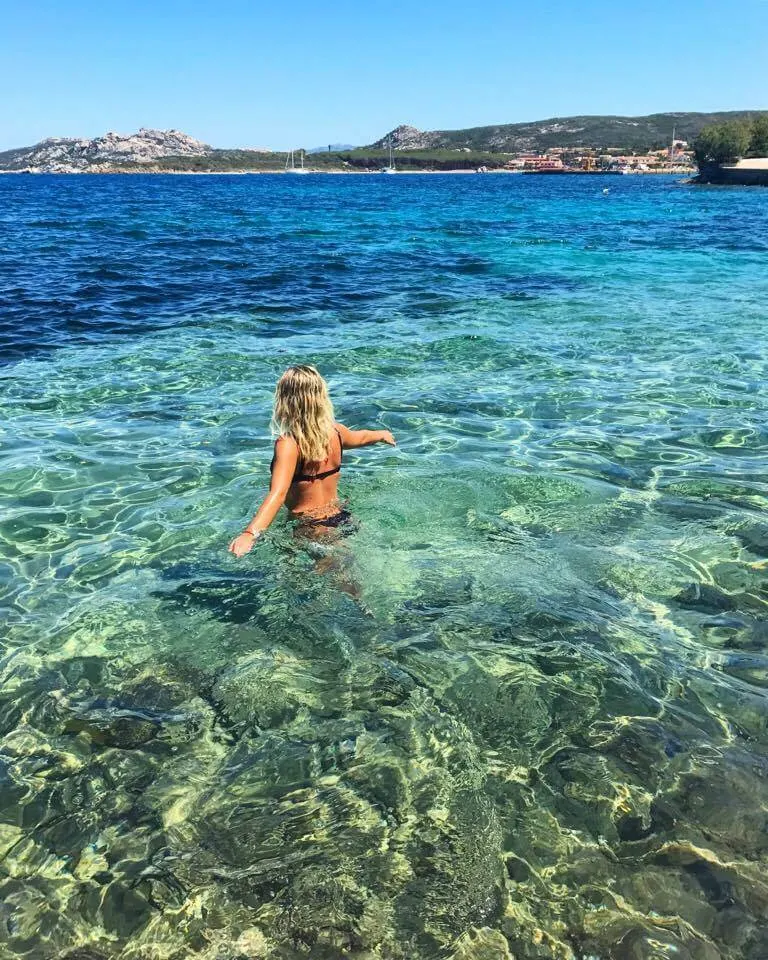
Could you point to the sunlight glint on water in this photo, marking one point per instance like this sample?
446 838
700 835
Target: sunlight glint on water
540 729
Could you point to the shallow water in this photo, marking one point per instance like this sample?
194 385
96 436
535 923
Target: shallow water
540 730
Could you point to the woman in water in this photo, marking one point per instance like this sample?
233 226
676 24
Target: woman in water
308 451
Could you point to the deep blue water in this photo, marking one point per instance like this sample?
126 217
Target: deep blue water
528 717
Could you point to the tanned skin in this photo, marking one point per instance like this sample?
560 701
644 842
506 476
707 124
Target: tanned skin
303 497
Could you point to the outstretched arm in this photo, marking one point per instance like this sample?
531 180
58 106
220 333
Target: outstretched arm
363 438
286 458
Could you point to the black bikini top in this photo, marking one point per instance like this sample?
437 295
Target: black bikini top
299 477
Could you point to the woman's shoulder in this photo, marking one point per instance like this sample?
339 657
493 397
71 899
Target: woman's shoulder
285 445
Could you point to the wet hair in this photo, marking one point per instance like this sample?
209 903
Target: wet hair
303 410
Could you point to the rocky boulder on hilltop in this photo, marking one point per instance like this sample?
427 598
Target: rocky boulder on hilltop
66 155
407 138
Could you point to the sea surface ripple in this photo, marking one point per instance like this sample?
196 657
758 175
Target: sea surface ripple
526 714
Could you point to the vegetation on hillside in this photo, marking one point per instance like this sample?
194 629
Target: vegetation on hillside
630 134
246 161
722 143
368 158
14 159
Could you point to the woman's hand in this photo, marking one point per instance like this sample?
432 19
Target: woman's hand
386 437
243 543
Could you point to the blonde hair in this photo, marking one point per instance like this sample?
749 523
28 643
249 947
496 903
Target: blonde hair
303 410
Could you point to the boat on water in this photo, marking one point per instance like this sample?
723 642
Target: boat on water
391 168
290 163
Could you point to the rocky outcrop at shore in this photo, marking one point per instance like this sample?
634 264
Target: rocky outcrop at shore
752 172
68 155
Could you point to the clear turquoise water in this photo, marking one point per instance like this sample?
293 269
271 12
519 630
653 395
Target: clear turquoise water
540 731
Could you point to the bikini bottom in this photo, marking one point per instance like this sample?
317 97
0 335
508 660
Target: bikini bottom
329 528
335 520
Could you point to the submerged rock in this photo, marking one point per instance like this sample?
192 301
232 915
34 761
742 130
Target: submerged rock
754 536
231 597
458 872
12 792
737 633
725 623
85 953
703 596
25 688
737 783
482 944
266 689
625 940
145 710
689 510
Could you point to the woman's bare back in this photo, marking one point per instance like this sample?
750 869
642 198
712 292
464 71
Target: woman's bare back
307 489
315 484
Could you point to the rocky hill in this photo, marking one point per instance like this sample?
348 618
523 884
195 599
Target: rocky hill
174 151
630 133
65 155
409 138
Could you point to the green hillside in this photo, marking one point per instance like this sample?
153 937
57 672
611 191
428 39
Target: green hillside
14 159
630 133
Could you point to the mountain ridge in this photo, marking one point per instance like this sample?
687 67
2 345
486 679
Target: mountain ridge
595 131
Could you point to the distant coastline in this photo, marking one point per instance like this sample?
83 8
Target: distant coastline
117 172
588 144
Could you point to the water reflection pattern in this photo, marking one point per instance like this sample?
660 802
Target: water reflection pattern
540 731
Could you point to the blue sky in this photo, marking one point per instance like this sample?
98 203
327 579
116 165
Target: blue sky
299 73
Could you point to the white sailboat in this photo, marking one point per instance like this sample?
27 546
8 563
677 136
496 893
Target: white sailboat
290 163
391 168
